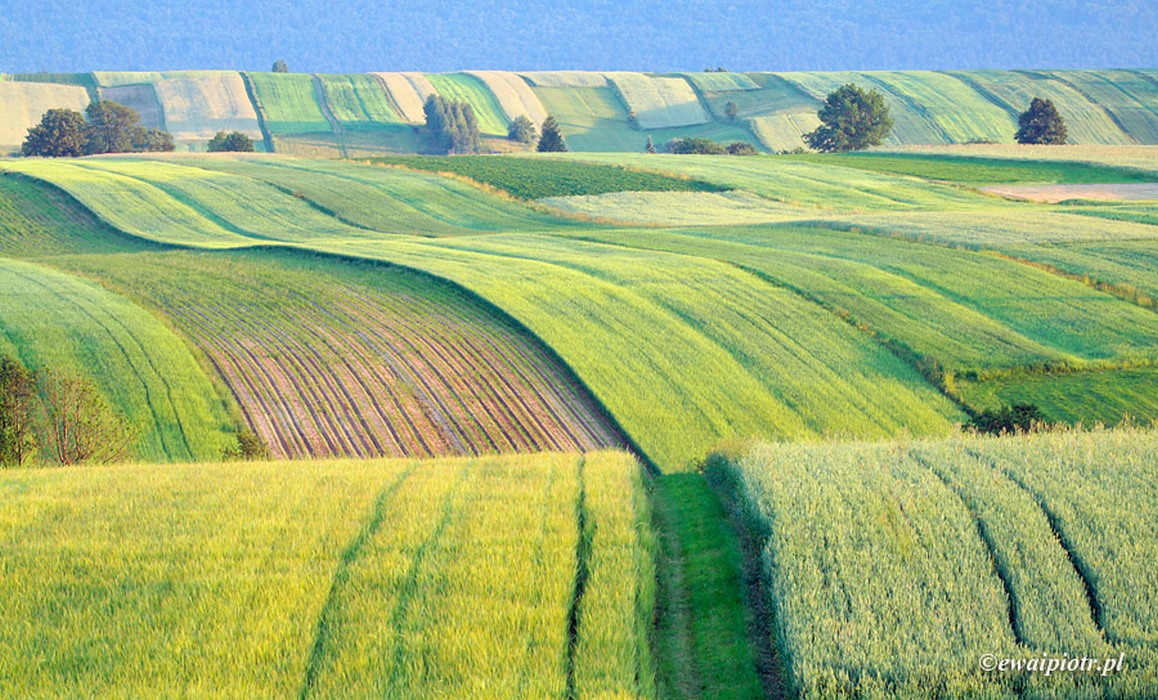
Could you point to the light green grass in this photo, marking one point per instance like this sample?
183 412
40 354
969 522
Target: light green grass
973 170
53 321
324 579
467 88
1129 98
894 567
289 103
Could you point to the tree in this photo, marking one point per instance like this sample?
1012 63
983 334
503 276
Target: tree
1018 418
552 139
111 127
694 145
650 145
19 406
81 426
1041 124
452 126
741 148
151 140
61 133
249 446
851 120
731 111
279 66
233 142
522 130
632 119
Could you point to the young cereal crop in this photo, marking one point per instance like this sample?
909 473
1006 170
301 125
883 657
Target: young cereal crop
659 102
893 568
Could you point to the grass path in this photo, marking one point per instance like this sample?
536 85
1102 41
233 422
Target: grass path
702 646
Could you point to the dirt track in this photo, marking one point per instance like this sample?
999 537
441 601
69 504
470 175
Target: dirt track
1060 193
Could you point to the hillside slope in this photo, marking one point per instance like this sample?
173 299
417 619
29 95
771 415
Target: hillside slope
360 114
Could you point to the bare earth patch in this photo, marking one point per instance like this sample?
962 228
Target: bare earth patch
1059 193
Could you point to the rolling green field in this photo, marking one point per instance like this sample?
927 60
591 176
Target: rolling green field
50 320
326 579
896 572
288 103
806 331
468 88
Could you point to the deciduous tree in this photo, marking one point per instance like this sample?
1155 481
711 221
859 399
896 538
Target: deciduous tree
19 406
522 130
234 142
81 425
61 133
851 120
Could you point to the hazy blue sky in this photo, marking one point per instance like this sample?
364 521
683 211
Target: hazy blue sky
362 35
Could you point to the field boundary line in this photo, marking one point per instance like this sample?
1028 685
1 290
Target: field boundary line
328 113
1043 75
259 110
341 574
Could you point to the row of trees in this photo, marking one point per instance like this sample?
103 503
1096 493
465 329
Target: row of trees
452 126
105 127
57 417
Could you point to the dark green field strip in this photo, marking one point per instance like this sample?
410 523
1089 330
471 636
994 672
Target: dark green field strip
536 178
38 219
702 639
1102 396
979 170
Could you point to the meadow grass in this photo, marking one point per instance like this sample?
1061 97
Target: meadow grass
894 567
37 219
357 99
1096 396
53 321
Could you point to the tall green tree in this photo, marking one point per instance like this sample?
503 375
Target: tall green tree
551 140
61 133
851 120
279 66
19 406
1041 124
111 127
452 126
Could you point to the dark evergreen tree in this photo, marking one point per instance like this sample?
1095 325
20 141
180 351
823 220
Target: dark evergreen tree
61 133
1041 124
650 145
851 120
552 139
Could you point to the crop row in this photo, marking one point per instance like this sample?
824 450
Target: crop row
325 361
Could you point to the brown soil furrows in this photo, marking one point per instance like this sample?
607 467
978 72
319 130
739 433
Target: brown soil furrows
302 367
456 390
579 410
435 408
285 385
283 428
